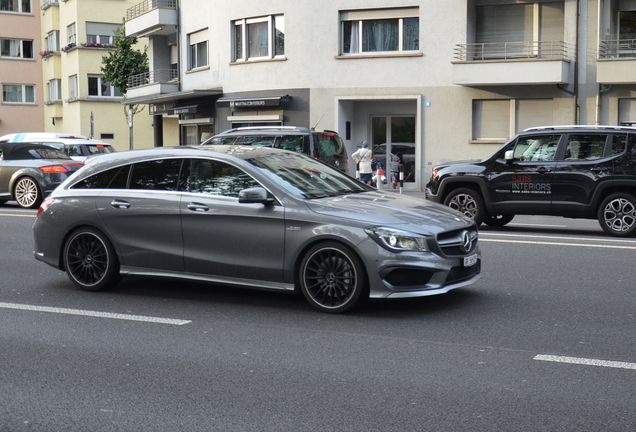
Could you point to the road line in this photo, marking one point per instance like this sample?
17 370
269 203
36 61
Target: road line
603 239
95 314
537 225
585 361
483 240
18 215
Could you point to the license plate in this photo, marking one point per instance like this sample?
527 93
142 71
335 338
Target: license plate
470 260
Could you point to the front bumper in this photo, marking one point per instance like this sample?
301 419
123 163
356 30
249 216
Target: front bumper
428 193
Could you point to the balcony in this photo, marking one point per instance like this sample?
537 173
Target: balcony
153 83
152 17
512 63
49 3
616 62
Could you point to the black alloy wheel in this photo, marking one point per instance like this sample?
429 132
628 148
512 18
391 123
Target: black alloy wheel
89 260
332 278
498 220
617 214
467 201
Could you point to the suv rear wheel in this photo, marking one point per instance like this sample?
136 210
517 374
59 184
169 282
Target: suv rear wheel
617 214
498 220
467 201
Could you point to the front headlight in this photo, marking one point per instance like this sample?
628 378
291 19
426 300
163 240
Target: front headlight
397 240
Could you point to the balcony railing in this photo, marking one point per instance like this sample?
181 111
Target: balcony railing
538 50
148 5
48 3
623 48
153 77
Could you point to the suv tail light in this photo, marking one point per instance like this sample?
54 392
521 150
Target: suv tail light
45 205
54 169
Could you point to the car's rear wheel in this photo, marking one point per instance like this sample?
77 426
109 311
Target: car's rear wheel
617 214
498 220
90 260
467 201
27 193
332 278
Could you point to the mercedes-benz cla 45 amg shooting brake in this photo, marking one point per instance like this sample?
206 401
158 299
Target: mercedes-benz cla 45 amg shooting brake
257 217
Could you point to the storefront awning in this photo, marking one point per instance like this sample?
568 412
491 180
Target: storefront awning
173 97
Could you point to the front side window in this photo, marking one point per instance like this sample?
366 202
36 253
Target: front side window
16 48
217 178
198 49
18 93
156 175
20 6
258 38
539 148
361 32
99 87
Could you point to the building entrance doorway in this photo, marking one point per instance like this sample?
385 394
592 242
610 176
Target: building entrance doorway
393 144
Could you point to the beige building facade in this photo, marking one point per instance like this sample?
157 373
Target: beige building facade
21 102
428 81
76 34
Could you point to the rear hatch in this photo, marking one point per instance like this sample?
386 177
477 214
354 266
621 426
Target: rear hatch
329 148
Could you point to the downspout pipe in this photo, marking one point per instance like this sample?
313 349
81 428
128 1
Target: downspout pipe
576 63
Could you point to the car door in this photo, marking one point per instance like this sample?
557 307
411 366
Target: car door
587 158
225 238
144 219
524 184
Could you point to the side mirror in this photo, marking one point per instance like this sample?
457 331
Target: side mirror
509 155
255 195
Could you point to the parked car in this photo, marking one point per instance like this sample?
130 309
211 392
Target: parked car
30 171
78 148
572 171
324 145
249 216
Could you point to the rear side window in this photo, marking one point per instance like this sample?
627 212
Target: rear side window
294 143
115 178
92 149
74 150
156 175
257 140
618 145
585 147
40 152
217 178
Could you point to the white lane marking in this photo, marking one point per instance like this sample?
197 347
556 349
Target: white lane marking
602 239
585 361
481 239
18 215
95 314
537 225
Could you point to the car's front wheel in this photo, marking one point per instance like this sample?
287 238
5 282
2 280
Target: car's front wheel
617 214
498 220
467 201
90 260
332 278
27 193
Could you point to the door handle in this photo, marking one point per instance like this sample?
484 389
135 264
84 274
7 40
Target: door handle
542 170
198 207
120 204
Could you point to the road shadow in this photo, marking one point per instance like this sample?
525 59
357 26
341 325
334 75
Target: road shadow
529 230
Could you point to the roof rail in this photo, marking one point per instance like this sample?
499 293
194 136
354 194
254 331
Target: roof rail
600 127
247 128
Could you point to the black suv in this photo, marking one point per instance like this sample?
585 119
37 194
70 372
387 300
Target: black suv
326 146
572 171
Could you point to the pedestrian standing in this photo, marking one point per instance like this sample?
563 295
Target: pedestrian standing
363 157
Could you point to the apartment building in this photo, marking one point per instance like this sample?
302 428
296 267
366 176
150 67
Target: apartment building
21 106
76 34
427 80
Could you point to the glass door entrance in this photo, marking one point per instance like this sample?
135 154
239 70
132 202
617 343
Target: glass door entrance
393 145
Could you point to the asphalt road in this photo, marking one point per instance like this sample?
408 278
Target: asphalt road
546 341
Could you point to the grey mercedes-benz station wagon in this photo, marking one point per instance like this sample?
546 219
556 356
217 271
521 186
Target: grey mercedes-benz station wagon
257 217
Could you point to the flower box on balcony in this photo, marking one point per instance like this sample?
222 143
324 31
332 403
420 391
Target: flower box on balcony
97 45
69 47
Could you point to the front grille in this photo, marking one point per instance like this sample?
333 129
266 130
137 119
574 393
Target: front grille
459 274
451 243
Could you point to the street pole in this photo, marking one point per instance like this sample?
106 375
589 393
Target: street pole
130 128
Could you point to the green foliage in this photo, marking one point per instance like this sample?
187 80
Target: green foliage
124 61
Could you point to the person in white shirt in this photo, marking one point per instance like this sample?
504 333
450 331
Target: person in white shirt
363 157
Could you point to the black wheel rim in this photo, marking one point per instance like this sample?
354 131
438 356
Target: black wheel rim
620 215
87 259
330 278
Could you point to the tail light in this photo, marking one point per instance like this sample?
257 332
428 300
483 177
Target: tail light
54 169
45 205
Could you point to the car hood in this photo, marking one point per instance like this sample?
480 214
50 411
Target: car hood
390 209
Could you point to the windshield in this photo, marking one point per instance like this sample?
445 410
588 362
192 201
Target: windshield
304 177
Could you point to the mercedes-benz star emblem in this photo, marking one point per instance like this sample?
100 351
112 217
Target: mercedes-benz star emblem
467 242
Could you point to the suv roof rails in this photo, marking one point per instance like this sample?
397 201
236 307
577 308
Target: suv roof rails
600 127
250 128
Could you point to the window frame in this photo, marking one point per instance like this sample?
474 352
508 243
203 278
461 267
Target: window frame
73 87
100 82
21 55
23 92
52 41
54 90
20 8
271 38
71 34
193 51
375 15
